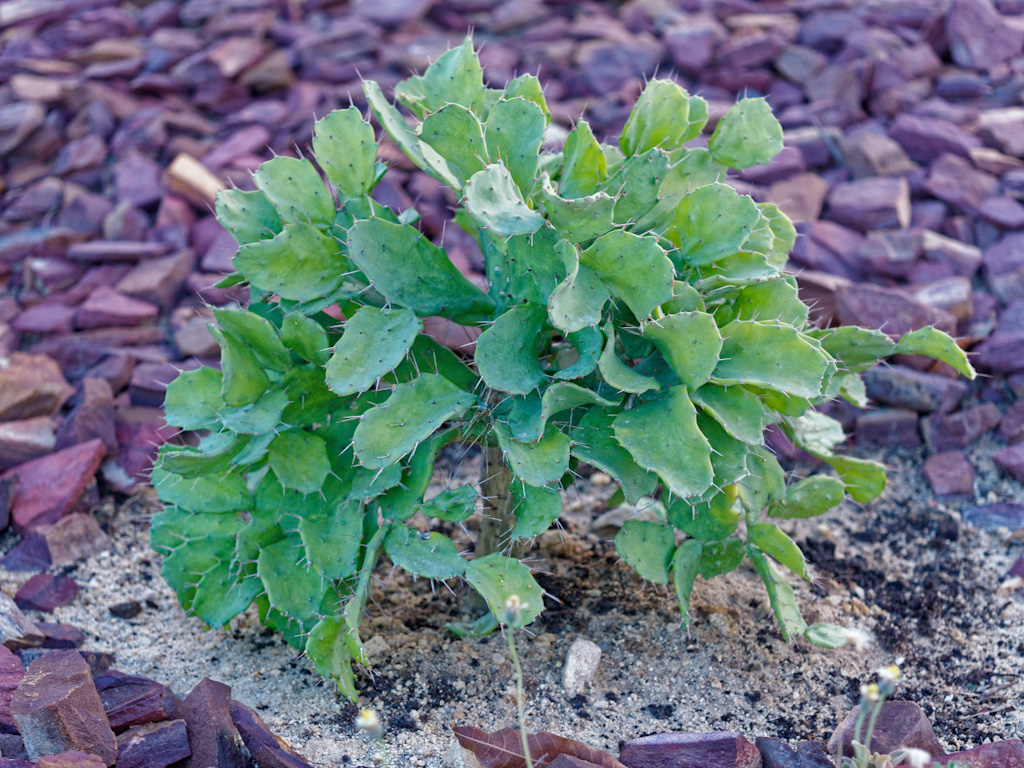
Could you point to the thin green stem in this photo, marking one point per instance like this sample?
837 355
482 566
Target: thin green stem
383 751
872 721
519 694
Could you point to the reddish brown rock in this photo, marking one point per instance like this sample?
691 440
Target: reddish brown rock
31 385
57 709
50 487
92 416
997 754
45 317
964 259
776 753
1011 461
247 141
1000 352
892 253
155 745
950 474
72 538
926 139
11 674
887 309
26 439
867 204
900 724
800 197
895 427
116 370
137 180
71 759
726 749
266 749
1004 267
107 308
140 433
979 37
130 700
46 591
159 280
950 431
212 735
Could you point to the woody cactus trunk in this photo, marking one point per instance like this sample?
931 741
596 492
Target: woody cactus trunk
636 317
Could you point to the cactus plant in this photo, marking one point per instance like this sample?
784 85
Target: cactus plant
637 317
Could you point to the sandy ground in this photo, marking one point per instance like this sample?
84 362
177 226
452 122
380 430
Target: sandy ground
904 568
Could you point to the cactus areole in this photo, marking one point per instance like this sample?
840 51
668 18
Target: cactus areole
636 317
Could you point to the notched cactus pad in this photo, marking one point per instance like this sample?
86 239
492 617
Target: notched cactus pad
634 315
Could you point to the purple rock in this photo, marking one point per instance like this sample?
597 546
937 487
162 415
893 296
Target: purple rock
950 474
46 591
726 749
949 431
131 700
903 387
775 753
978 36
989 517
997 754
1011 461
267 750
1012 427
895 427
155 745
925 140
900 724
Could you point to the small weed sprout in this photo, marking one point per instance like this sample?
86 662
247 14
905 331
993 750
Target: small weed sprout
512 617
636 316
872 697
369 722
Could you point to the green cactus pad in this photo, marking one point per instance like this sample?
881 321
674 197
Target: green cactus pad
256 418
506 353
618 374
514 133
497 204
810 497
389 431
185 566
453 505
220 595
864 479
827 635
374 342
291 589
194 398
747 135
735 408
634 269
327 649
579 219
662 436
578 301
535 509
780 596
938 346
456 135
346 149
213 454
431 555
243 379
296 190
770 539
299 459
584 167
691 344
529 270
718 557
661 119
588 343
540 462
685 566
398 129
301 263
710 520
173 527
529 88
248 216
215 493
428 356
710 223
773 356
412 272
648 547
497 578
765 483
593 443
257 334
636 185
305 337
456 77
